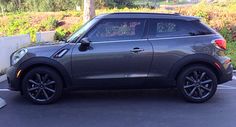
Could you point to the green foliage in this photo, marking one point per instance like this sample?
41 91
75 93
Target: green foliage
59 5
226 34
32 31
202 14
75 27
60 33
49 24
120 3
231 52
72 13
39 5
16 24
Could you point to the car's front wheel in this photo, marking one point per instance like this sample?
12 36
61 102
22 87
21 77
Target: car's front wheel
197 83
42 85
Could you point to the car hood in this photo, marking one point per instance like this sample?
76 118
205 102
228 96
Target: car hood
45 49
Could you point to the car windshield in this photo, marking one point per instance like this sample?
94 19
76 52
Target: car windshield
83 29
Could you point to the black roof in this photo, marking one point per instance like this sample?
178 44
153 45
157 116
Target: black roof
147 15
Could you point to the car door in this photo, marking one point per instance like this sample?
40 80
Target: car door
117 54
172 40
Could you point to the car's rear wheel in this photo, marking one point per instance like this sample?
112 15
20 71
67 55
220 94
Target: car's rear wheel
42 85
197 83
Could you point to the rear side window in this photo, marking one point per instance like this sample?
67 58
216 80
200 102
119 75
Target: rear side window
159 28
117 29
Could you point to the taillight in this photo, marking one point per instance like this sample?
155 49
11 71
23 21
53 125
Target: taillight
220 43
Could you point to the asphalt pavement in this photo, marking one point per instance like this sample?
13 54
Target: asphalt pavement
121 108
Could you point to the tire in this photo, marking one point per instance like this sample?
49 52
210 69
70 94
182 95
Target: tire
42 85
197 83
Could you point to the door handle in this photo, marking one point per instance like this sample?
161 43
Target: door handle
136 50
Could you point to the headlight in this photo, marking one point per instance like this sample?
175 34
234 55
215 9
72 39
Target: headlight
18 55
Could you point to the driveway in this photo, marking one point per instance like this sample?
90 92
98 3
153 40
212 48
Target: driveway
128 108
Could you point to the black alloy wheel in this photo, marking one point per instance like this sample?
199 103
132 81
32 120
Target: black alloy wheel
42 85
197 83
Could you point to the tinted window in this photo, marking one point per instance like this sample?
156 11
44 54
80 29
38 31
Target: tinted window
176 28
82 30
199 29
112 30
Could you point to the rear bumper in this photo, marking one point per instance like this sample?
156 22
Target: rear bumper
13 81
227 74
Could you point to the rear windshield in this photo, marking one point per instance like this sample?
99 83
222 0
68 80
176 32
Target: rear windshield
160 28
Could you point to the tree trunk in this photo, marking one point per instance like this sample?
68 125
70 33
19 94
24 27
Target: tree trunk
19 4
167 1
89 10
2 9
175 1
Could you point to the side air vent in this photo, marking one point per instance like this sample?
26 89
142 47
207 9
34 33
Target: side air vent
61 53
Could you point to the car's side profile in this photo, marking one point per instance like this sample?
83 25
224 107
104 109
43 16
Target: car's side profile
126 50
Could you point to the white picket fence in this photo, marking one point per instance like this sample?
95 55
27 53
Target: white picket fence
10 44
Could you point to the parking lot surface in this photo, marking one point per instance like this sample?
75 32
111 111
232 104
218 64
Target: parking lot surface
121 108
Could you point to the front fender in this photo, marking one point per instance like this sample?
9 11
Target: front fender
45 61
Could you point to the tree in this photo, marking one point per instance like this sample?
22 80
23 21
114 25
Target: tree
3 4
176 1
18 3
89 10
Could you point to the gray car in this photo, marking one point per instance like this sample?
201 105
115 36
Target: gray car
126 51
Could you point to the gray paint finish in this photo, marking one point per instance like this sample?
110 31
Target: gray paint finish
168 51
112 60
116 64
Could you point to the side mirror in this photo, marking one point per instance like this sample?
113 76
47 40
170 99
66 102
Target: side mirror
84 44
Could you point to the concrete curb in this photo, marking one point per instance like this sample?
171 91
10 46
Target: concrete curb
3 78
2 103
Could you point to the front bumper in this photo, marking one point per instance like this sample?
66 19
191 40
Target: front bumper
13 81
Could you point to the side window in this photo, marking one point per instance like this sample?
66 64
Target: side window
117 29
168 27
199 29
160 28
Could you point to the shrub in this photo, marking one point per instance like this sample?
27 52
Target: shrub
49 24
60 33
74 27
231 52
